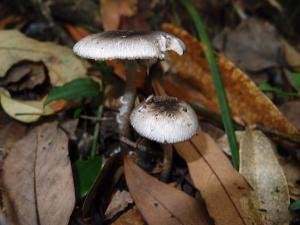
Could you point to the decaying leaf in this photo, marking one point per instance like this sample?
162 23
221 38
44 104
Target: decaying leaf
292 56
291 110
160 203
24 76
119 202
291 170
60 61
244 45
77 33
247 103
260 167
131 217
23 110
37 179
9 134
222 188
8 20
62 67
112 10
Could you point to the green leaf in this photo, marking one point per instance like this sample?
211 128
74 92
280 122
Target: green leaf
266 87
225 111
295 79
84 87
86 172
295 205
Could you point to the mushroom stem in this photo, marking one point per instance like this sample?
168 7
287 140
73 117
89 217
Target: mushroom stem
167 163
127 99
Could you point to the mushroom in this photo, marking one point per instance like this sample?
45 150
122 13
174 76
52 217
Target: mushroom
164 119
128 47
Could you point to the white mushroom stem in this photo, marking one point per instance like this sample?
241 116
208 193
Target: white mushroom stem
127 99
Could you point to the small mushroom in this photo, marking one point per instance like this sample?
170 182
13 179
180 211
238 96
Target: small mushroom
164 119
128 46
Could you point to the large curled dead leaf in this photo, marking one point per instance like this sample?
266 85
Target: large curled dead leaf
222 188
37 179
247 103
259 165
62 64
160 203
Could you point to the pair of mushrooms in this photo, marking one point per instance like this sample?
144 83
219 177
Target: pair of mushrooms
160 118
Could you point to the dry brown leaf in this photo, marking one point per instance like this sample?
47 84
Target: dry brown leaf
77 33
292 56
112 10
8 20
9 134
244 47
184 92
140 75
160 203
26 75
247 103
37 179
291 170
222 188
131 217
260 167
291 110
118 203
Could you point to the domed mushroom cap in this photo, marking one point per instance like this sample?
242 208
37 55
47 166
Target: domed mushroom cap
128 45
165 120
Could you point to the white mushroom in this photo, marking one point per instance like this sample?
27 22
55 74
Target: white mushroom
164 119
128 45
124 46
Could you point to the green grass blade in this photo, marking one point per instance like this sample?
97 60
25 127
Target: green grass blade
226 118
84 87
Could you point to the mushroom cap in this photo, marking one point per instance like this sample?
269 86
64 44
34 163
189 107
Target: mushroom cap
128 45
164 119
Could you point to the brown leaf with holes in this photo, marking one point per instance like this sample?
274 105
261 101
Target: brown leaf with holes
26 75
37 178
247 103
112 10
160 203
223 189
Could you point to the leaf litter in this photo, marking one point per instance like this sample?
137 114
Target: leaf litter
37 178
222 188
247 103
226 194
260 167
158 202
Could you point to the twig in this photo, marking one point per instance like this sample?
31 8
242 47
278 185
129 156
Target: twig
96 131
137 145
96 119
